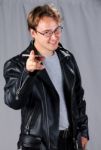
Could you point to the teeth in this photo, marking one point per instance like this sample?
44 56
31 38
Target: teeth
52 43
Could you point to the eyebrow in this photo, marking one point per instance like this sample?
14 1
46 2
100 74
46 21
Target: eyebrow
50 29
47 30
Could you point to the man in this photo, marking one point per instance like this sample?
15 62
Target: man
44 82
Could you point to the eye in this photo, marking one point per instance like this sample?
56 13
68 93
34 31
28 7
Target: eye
47 33
58 29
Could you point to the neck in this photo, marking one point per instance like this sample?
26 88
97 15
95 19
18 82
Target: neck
44 52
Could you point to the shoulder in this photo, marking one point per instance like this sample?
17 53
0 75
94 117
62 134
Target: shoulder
65 52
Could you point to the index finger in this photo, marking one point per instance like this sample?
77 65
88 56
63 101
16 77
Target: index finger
32 55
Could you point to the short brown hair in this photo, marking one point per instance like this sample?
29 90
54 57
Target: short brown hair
41 11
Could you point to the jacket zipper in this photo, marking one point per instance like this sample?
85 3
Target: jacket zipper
48 136
20 87
28 123
74 140
30 119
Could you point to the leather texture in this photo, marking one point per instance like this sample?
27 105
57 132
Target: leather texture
38 99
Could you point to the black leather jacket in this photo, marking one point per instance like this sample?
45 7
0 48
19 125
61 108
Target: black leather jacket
38 99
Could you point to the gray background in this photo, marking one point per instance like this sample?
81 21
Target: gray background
81 35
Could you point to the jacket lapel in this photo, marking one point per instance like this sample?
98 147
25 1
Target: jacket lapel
43 75
67 69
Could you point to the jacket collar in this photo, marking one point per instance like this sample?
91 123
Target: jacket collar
62 53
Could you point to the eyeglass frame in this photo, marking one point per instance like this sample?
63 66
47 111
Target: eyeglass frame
51 32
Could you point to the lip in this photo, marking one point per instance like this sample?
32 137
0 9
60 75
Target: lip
55 43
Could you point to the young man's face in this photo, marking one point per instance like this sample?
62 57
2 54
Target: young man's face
47 35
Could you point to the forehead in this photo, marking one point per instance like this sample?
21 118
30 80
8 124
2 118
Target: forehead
47 23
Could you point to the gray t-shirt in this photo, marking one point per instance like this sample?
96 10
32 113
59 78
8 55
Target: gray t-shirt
53 68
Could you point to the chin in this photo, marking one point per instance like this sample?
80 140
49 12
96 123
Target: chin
54 47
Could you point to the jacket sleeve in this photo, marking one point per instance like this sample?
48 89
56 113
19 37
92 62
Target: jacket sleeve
18 84
82 122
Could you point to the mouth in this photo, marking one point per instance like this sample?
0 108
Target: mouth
53 43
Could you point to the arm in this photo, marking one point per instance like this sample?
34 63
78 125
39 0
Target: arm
18 83
81 105
20 75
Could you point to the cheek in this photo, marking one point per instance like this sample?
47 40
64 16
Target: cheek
42 41
59 37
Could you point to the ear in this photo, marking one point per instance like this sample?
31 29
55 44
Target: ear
32 32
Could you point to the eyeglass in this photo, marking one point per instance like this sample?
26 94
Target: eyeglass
49 33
